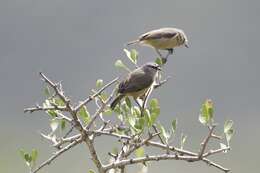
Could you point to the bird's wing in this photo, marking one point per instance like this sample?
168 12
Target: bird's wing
158 34
139 82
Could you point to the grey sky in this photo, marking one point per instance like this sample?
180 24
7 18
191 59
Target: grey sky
78 42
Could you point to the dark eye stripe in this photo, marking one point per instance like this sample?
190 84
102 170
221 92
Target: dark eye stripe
154 67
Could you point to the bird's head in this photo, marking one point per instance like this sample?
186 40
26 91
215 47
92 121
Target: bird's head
151 67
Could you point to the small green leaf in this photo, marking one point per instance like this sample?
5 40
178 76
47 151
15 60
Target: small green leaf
84 114
139 152
183 140
154 103
58 102
91 171
120 64
128 102
228 125
147 117
47 92
34 155
54 124
166 135
131 121
154 114
108 111
132 55
52 113
136 111
63 124
99 83
128 53
206 112
22 153
120 117
139 123
159 61
229 135
174 125
223 146
154 110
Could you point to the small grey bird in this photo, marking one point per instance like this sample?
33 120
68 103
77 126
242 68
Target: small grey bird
137 83
163 39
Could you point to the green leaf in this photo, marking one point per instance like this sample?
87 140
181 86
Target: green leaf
228 125
52 113
27 157
131 121
91 171
84 114
47 92
147 116
174 125
54 124
132 55
128 102
136 111
229 135
63 124
34 155
128 53
223 146
206 112
108 111
99 83
139 152
159 61
120 64
139 123
154 110
154 103
166 135
59 102
22 153
183 140
154 114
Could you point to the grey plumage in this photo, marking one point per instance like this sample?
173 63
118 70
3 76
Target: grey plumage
137 82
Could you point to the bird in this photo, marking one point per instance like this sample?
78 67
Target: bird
163 39
137 82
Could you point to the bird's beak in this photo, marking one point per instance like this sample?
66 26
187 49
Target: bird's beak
159 68
186 45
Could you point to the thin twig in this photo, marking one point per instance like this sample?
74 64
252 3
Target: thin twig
57 154
148 158
161 82
144 142
90 98
205 141
100 110
40 108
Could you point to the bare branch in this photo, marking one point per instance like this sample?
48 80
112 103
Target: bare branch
90 98
40 108
161 82
205 141
57 154
148 158
144 142
100 110
211 152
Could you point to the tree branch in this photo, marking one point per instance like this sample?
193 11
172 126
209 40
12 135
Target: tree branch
90 98
57 154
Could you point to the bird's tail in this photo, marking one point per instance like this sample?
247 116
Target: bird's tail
116 101
132 42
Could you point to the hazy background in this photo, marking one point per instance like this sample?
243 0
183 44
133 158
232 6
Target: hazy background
78 41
